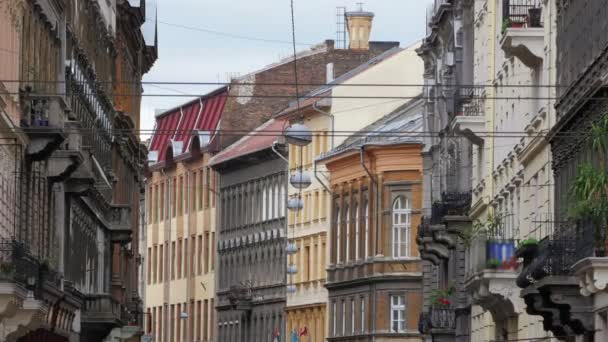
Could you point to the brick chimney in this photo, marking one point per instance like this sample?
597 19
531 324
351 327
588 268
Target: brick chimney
359 28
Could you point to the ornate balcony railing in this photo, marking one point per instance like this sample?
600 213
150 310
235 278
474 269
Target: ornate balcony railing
442 317
522 13
470 101
452 203
556 253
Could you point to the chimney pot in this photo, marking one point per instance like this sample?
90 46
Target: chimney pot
359 29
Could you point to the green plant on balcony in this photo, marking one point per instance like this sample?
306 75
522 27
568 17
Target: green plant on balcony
493 263
7 270
589 190
441 297
528 242
489 228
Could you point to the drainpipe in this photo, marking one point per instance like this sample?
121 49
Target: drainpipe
376 206
319 179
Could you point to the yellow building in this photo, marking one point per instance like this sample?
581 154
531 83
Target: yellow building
181 199
307 307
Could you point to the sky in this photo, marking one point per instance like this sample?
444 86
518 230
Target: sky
189 55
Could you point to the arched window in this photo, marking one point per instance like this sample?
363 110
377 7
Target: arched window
264 204
366 229
347 226
402 214
357 233
277 200
338 222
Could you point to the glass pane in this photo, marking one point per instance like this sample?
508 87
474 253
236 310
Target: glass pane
395 327
402 326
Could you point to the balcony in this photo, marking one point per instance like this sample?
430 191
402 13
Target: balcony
548 279
469 120
438 234
523 32
490 270
241 297
119 221
43 122
101 314
440 322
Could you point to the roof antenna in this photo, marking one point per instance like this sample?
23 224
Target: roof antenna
360 6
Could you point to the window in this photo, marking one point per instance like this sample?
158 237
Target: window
276 205
398 314
198 320
282 200
212 246
207 187
401 227
180 202
334 319
173 260
352 316
200 255
307 262
366 230
155 263
347 242
362 314
179 259
194 190
149 265
173 196
264 204
161 256
162 201
191 253
206 246
338 222
155 203
201 188
343 317
357 234
205 316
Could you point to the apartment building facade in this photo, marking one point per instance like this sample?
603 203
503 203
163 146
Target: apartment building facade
69 225
374 276
564 269
308 228
515 58
181 199
252 244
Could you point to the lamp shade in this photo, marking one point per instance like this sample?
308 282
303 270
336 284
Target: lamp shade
300 180
295 204
298 134
291 249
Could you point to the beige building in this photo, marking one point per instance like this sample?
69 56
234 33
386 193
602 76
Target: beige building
308 228
512 176
180 201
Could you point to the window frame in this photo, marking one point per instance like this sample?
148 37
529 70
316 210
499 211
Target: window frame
401 224
400 307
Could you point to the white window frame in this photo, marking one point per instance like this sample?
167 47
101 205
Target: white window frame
335 318
402 222
264 204
352 316
343 317
398 307
276 206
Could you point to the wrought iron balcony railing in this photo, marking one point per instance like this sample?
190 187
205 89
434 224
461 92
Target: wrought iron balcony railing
442 317
556 253
522 13
452 203
470 101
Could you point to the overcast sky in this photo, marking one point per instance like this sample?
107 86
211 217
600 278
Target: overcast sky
195 56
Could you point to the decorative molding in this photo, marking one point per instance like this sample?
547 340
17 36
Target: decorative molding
592 274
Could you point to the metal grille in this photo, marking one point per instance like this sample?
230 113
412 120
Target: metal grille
471 101
83 249
9 194
452 203
443 317
522 13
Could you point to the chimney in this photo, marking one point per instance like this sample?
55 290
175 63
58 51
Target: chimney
359 28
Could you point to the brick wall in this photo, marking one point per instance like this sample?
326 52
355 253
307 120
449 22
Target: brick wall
244 113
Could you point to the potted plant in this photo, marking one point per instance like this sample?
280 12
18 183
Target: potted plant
493 263
527 248
589 190
441 297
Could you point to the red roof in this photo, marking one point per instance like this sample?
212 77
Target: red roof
259 139
178 124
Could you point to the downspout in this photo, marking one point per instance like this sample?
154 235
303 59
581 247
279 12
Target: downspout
319 179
